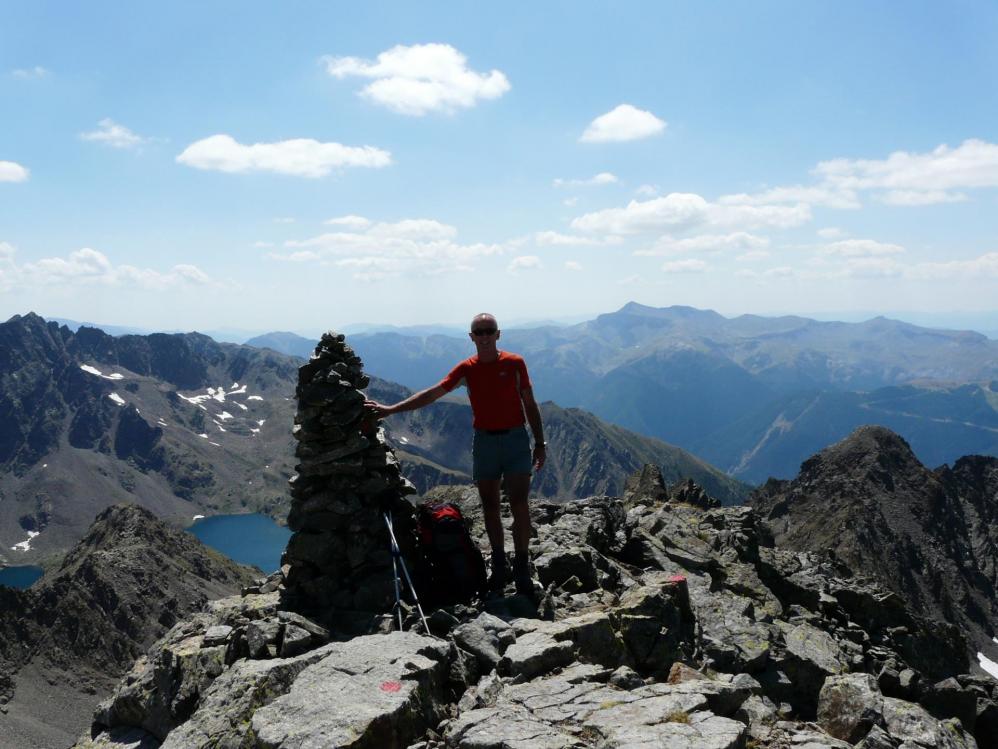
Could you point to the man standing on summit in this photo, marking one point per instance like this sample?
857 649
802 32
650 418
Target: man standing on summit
502 400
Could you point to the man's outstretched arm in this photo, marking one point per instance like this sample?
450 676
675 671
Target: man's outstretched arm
414 401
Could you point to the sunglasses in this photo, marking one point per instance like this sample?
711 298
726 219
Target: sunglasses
484 331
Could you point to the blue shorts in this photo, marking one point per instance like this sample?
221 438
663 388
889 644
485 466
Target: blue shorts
497 455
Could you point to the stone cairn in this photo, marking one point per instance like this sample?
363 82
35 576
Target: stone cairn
339 556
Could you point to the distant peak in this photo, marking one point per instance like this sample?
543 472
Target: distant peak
675 310
866 445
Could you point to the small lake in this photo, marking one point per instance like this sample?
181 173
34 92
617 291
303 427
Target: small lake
248 539
20 577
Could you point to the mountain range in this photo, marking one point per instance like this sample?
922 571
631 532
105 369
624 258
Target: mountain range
187 426
752 395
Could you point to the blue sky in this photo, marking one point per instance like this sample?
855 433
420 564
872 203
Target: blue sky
308 165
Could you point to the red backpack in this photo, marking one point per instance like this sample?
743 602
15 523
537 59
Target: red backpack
451 564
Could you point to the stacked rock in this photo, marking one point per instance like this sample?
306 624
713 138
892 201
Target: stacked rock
339 557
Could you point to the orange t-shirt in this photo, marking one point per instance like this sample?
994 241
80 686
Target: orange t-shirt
493 388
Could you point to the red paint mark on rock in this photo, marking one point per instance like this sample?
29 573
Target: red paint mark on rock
677 579
391 686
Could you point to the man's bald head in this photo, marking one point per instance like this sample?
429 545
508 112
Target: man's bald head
484 317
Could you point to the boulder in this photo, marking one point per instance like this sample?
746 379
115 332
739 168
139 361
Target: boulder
912 723
947 699
508 727
811 656
535 653
369 693
849 706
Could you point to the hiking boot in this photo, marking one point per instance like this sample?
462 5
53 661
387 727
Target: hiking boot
497 578
521 575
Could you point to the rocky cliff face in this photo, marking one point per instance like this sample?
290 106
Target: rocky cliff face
65 641
177 423
929 535
661 623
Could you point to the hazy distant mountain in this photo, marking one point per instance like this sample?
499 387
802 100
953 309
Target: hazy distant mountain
941 424
454 331
291 344
753 395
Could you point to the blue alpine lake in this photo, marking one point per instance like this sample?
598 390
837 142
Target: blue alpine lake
20 577
248 539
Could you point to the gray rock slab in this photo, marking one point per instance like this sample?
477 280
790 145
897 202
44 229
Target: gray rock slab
652 724
849 705
506 727
535 653
221 720
816 647
478 641
911 723
371 692
807 738
119 738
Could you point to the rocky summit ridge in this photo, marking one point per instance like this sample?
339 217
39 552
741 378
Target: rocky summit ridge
929 535
660 620
66 640
660 624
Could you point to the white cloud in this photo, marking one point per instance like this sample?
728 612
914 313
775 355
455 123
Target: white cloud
902 179
87 266
300 157
974 163
861 248
622 123
922 197
687 211
524 262
673 210
733 242
685 266
983 266
419 229
556 239
30 73
284 220
381 250
569 202
262 245
779 272
353 222
648 191
112 134
572 265
831 232
752 256
603 178
630 280
421 78
871 267
812 195
11 171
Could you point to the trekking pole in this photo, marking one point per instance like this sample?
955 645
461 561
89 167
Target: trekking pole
398 560
396 555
